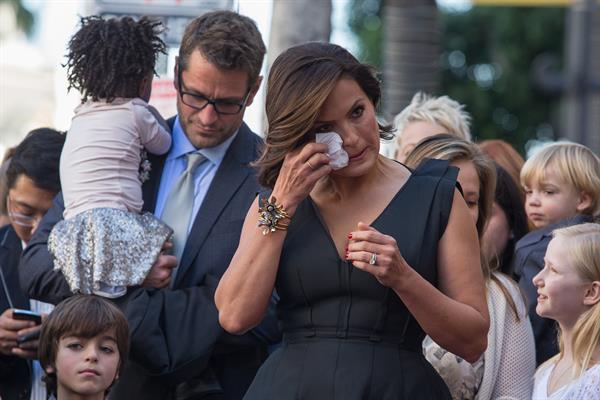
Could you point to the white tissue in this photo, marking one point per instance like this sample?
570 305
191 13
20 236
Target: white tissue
338 158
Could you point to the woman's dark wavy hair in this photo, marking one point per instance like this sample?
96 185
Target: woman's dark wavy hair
109 58
300 81
508 197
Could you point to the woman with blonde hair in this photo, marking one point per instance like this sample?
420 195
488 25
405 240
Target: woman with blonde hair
427 116
508 364
569 292
358 288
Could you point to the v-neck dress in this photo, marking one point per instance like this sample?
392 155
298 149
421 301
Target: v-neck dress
346 336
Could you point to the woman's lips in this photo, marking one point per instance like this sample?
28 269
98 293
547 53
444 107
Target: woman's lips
357 156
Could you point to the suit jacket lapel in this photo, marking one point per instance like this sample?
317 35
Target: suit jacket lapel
151 186
231 174
10 253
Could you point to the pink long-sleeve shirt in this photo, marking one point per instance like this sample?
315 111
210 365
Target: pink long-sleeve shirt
99 164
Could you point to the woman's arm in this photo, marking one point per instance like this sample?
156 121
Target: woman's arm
246 286
456 315
244 291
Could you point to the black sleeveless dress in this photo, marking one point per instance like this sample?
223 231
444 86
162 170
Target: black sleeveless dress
346 336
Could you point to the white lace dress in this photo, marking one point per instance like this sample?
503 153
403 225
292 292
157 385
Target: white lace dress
586 387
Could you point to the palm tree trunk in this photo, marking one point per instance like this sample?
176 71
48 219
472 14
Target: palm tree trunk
411 51
298 21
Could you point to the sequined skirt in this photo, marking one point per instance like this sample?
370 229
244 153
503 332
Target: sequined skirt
106 247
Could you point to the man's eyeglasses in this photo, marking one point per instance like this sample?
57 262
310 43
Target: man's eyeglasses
199 102
27 221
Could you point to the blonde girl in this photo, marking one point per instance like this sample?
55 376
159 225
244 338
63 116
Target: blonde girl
569 292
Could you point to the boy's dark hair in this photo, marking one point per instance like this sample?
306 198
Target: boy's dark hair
227 40
109 58
38 158
83 316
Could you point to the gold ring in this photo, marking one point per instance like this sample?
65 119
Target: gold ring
310 165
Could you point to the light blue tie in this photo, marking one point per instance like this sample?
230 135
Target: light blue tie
179 205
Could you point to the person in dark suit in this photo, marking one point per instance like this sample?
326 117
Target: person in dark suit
32 182
179 351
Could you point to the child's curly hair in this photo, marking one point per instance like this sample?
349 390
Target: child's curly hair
109 58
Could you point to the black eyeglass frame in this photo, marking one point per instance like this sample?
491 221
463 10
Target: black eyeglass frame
214 103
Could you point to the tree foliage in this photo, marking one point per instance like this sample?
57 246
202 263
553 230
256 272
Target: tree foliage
24 16
486 64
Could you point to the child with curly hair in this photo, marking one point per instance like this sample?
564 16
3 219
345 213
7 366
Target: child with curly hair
104 244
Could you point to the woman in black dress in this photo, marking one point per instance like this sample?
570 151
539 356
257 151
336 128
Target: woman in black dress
366 259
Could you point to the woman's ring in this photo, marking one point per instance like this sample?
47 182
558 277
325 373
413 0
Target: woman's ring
373 259
310 165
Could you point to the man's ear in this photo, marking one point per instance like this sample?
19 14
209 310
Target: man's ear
253 90
585 201
592 294
50 369
176 74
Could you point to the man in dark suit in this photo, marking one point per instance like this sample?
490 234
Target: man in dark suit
203 188
32 181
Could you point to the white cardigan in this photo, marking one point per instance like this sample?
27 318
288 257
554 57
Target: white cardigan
508 362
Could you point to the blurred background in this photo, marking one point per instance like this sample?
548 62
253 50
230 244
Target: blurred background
528 71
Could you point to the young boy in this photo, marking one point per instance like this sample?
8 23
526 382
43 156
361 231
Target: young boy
562 188
82 346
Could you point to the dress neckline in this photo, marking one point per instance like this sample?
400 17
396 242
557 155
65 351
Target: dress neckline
563 388
325 227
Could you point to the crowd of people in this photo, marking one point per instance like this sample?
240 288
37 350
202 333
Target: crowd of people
193 259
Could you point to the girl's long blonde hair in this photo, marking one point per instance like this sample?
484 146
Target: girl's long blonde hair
584 256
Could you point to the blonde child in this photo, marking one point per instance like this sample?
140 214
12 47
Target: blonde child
83 343
562 188
104 244
569 292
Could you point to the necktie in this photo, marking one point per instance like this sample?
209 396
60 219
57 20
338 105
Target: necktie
179 206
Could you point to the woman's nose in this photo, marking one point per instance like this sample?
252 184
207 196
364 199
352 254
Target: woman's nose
349 136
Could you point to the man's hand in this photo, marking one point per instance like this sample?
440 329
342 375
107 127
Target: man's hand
160 274
28 349
10 329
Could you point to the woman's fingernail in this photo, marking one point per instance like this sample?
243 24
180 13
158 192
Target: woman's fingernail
350 236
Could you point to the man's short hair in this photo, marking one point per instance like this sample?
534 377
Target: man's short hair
38 158
227 40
